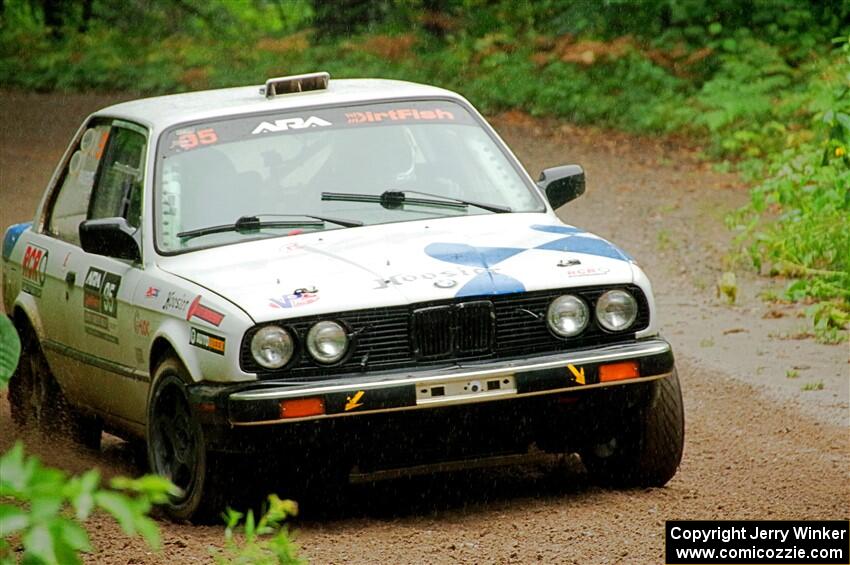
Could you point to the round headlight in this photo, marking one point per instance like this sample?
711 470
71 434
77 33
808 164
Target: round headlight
567 315
272 347
616 310
327 342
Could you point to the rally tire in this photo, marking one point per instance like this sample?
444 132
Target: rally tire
176 448
648 451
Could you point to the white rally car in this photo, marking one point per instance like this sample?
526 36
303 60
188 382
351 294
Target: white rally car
317 276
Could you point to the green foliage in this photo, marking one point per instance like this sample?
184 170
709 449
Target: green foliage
263 542
798 221
755 82
43 509
10 350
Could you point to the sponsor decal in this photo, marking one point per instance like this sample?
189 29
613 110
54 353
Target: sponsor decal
175 303
587 271
442 279
34 269
208 315
578 374
290 123
190 139
401 114
100 303
352 402
294 300
141 326
100 292
151 292
208 341
13 233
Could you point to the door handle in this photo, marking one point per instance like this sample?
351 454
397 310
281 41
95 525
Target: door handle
70 278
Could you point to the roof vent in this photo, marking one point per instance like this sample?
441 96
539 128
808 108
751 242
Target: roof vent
295 83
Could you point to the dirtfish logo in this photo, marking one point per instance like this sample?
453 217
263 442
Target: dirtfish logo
290 123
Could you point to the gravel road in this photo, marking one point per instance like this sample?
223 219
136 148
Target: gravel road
757 444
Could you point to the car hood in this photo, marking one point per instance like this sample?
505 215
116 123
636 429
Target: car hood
402 263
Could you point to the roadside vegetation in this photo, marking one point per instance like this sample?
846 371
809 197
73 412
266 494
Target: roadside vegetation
44 511
760 85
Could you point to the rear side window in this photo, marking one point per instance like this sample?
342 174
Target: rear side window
71 204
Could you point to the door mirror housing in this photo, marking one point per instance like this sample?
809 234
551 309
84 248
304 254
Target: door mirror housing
562 184
112 237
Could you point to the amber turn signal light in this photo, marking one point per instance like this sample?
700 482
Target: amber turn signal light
301 407
618 371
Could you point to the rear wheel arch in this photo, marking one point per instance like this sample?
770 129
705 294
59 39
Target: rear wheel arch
22 319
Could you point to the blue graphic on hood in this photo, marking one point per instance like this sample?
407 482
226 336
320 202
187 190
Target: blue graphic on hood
489 282
13 233
483 283
576 242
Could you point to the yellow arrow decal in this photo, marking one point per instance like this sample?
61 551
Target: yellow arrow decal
354 402
578 374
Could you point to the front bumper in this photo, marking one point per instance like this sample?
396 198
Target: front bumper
260 404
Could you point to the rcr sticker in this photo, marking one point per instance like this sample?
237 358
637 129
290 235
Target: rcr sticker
290 123
34 269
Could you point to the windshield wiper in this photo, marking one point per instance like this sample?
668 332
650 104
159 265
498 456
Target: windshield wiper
253 223
397 198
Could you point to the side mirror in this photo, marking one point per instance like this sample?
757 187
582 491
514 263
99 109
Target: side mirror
111 237
562 184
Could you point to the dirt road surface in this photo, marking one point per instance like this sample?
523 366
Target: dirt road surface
757 444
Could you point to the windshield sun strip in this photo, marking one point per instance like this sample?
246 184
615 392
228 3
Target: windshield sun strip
476 117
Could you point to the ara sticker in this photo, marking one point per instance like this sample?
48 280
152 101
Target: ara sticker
151 292
100 303
208 341
100 292
208 315
34 269
293 300
290 123
353 402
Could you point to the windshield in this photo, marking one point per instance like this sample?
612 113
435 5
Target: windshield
215 173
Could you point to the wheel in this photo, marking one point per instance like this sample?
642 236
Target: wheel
176 448
37 401
647 449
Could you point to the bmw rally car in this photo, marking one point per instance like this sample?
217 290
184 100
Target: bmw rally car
317 276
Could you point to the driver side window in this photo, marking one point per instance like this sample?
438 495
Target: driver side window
118 189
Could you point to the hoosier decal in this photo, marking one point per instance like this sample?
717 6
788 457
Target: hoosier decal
208 341
34 269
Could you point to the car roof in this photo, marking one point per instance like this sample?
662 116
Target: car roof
161 112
